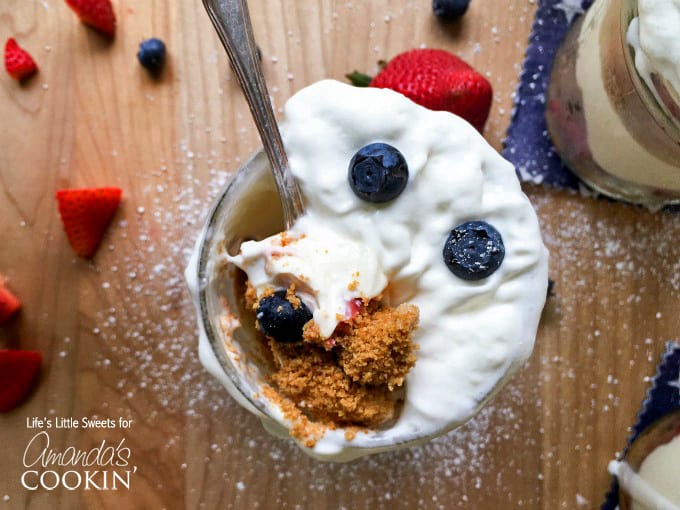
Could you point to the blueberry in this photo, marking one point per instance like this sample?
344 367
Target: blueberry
474 250
152 54
280 320
378 173
449 10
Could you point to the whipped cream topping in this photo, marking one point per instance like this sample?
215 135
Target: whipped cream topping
329 269
654 36
472 335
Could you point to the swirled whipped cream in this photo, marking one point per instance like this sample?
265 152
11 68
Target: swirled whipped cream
472 334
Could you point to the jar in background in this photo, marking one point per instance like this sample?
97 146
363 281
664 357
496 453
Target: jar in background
654 457
618 133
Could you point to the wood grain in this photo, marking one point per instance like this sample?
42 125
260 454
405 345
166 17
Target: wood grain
118 333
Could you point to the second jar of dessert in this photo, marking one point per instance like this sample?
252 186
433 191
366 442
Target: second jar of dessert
613 108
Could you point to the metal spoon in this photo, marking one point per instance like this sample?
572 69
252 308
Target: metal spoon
232 22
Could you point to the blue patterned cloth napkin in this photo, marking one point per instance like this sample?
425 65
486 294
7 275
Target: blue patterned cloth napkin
529 148
528 145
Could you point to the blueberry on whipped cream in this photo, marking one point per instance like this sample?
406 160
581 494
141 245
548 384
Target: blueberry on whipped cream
474 250
378 173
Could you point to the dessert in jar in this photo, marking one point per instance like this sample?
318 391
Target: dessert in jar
649 473
402 299
613 108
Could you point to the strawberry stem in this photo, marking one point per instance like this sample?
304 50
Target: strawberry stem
359 79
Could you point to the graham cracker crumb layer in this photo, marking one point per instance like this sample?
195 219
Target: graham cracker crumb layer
346 380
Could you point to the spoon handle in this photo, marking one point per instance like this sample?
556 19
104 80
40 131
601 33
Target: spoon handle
232 22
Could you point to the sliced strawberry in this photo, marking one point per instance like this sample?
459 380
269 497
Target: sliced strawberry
96 13
18 373
353 307
86 213
9 303
18 62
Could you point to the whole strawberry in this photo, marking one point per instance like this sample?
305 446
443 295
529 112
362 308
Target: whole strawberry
18 62
438 80
96 13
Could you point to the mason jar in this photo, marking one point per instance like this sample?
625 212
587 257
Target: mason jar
618 130
650 456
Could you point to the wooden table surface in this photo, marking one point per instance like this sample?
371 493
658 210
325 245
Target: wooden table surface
118 333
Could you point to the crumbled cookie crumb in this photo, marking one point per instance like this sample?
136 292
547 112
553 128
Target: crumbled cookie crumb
251 296
305 430
311 377
312 334
347 379
377 349
252 299
291 297
286 239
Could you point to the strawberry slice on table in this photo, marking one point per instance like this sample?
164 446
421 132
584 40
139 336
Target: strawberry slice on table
96 13
18 62
9 303
438 80
86 214
18 373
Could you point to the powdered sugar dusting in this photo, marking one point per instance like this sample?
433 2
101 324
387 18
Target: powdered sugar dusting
460 459
148 354
480 462
516 440
157 360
